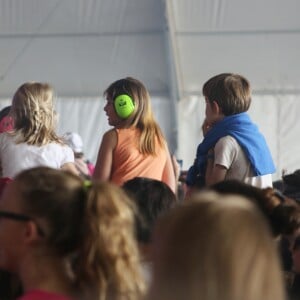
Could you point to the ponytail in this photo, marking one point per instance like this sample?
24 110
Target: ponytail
90 226
108 260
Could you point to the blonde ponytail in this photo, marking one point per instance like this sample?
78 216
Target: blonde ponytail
108 261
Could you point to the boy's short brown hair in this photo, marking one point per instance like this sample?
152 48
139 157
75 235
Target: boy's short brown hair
231 91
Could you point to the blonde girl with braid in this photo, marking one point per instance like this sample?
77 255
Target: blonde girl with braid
33 141
135 146
75 240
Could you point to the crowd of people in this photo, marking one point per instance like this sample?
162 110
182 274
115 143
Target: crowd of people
134 226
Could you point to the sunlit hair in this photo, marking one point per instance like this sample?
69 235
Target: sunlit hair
33 114
142 117
231 91
215 247
91 222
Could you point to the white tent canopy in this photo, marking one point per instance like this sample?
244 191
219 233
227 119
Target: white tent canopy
173 46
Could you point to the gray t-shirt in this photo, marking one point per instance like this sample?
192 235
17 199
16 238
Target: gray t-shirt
229 154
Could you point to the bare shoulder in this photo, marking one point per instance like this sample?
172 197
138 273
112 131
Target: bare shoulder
110 138
110 133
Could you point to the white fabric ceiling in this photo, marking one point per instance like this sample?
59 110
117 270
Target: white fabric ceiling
173 46
80 46
259 39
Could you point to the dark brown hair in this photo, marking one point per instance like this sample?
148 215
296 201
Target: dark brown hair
231 92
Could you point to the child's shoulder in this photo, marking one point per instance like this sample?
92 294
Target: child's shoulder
110 134
227 139
227 143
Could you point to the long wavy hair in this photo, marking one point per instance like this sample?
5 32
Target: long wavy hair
33 114
142 117
91 225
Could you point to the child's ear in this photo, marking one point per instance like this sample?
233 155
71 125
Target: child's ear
216 108
31 233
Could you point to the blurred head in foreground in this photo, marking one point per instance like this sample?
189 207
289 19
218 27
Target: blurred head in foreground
215 247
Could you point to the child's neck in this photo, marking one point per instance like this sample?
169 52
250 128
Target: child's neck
46 274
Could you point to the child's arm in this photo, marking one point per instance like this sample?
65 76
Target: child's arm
214 173
105 156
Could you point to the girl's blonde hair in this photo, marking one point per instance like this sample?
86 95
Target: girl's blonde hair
142 117
91 222
33 114
215 248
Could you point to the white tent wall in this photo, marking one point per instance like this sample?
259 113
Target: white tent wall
80 47
173 46
257 39
276 116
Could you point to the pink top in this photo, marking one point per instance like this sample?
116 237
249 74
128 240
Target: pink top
42 295
128 162
6 124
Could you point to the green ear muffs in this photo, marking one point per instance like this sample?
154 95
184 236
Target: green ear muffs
124 106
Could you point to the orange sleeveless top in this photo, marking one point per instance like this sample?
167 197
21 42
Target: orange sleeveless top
128 162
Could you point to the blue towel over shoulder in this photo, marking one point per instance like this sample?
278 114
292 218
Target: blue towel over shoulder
253 143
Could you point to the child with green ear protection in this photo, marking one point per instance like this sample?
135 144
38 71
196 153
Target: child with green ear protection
135 146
